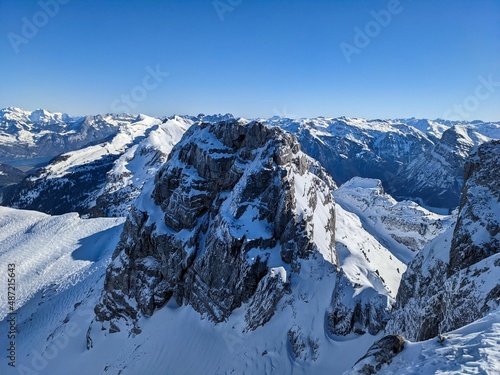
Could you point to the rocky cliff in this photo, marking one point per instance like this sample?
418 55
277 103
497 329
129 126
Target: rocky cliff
454 280
230 215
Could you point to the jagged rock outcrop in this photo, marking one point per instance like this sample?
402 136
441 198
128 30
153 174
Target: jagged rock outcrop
359 311
230 215
381 353
477 233
454 280
301 346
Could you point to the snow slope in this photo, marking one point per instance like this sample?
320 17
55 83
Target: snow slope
50 252
404 227
53 322
74 181
59 261
139 164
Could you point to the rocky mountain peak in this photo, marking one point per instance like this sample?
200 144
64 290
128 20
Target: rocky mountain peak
229 217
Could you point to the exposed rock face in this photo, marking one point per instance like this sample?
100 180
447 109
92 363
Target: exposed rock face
477 233
263 303
302 347
379 354
230 215
454 280
360 312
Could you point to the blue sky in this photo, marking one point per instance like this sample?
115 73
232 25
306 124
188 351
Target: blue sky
253 57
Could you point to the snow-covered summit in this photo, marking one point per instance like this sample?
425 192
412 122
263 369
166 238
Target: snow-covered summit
36 116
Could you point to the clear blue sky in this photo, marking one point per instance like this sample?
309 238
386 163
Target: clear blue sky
265 57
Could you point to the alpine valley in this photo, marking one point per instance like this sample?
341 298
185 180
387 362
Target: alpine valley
212 244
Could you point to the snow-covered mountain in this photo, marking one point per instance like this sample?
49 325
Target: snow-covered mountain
29 138
401 226
452 284
101 179
295 301
253 212
437 173
240 254
417 159
397 152
438 292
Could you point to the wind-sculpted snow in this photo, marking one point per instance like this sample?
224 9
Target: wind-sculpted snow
472 349
50 252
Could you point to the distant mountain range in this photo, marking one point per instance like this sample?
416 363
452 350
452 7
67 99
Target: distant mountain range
421 160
